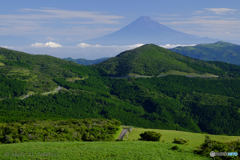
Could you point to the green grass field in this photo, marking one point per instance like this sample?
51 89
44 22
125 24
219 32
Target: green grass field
134 150
127 149
195 139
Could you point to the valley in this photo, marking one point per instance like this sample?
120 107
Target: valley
151 88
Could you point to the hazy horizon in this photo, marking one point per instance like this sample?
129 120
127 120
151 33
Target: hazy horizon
61 29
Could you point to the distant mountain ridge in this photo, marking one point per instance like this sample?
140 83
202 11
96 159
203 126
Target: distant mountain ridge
219 51
146 30
83 61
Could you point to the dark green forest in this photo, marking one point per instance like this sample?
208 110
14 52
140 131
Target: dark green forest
173 102
165 102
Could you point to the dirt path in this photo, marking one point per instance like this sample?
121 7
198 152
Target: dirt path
56 90
122 134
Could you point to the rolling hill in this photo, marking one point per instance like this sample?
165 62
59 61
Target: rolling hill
145 30
83 61
37 71
172 102
153 60
219 51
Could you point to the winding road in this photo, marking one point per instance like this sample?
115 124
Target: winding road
56 90
163 75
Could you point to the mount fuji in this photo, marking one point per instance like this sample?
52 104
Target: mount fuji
146 30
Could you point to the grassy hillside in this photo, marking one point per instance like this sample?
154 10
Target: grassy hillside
151 60
195 139
220 51
97 150
36 71
83 61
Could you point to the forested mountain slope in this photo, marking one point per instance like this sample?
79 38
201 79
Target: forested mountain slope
219 51
83 61
172 102
33 72
153 60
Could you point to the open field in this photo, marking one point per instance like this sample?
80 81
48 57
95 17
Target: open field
96 150
195 139
129 149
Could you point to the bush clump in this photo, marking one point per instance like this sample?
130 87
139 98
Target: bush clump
150 136
216 146
179 141
59 130
175 148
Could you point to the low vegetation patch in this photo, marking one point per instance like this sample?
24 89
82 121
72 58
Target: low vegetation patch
58 130
150 136
179 141
216 146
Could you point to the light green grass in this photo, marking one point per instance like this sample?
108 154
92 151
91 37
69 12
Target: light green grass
2 64
115 137
174 72
2 57
19 71
195 139
76 78
131 150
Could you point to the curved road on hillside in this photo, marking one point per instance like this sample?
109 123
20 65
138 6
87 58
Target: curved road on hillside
190 76
56 90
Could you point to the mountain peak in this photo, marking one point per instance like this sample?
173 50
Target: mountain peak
147 30
146 18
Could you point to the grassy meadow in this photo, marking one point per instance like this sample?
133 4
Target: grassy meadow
135 150
126 149
195 139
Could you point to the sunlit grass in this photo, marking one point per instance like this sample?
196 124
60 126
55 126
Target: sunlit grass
195 139
135 150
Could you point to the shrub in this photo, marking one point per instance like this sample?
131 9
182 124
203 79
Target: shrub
180 141
150 136
175 148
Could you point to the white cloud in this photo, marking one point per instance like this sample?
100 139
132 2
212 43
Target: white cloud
96 17
48 44
8 47
50 38
173 46
221 10
84 45
83 50
197 12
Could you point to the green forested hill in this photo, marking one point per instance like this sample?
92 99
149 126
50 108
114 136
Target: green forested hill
173 102
219 51
83 61
36 72
151 60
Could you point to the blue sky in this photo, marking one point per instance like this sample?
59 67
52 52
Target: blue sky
58 27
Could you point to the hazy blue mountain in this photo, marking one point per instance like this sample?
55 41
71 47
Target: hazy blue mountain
83 61
219 51
15 41
146 30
